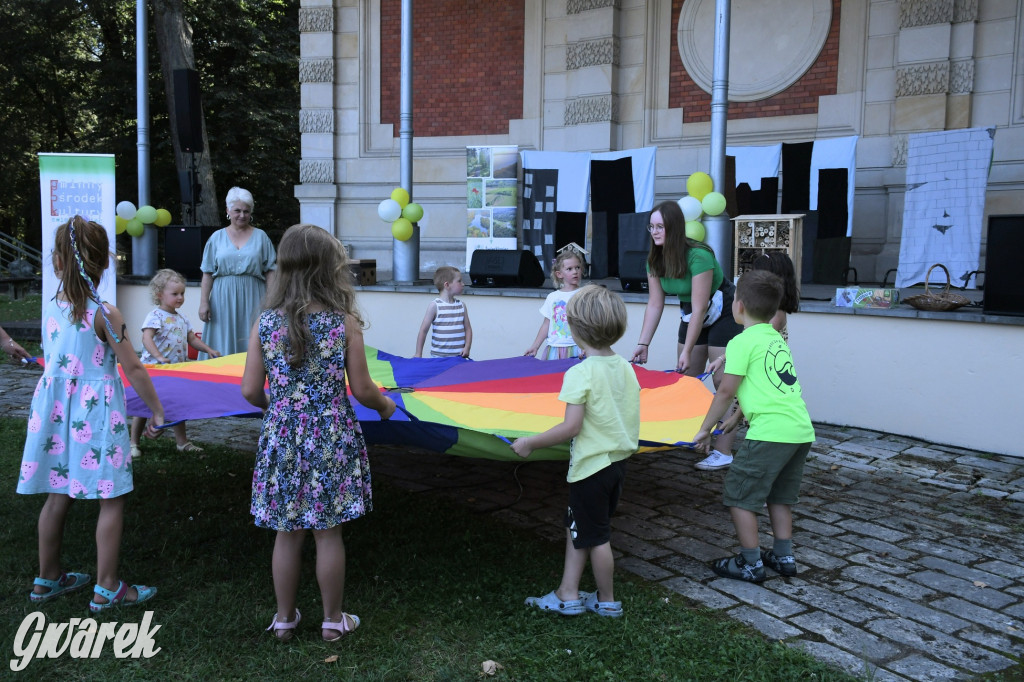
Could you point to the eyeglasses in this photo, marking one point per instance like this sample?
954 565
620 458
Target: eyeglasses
655 228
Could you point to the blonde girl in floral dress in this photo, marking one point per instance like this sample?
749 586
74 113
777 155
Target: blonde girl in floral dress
312 472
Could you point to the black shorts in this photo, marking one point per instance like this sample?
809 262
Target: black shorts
723 330
592 502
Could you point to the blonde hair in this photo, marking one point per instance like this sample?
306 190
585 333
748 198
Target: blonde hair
82 263
444 275
312 268
597 316
160 280
556 265
237 195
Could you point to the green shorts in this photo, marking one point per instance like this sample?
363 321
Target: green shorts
765 472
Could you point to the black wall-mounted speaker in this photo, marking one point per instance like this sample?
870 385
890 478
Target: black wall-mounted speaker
183 248
1004 284
633 271
188 112
505 268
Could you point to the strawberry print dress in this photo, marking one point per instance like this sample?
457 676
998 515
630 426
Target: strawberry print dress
77 441
312 470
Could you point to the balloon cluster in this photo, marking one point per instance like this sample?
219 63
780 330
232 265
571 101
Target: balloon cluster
700 200
401 213
134 220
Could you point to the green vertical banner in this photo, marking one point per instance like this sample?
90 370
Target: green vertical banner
77 184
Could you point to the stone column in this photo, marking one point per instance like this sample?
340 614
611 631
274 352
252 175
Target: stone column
317 192
934 65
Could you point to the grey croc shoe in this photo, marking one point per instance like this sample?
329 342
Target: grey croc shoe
551 602
612 609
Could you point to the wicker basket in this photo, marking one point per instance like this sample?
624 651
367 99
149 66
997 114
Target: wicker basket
940 302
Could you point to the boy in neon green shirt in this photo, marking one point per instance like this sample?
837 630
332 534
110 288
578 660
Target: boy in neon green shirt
602 418
759 372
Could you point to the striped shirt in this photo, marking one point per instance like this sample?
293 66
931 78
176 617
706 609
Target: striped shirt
448 336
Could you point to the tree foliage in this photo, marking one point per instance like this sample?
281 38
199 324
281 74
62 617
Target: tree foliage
67 84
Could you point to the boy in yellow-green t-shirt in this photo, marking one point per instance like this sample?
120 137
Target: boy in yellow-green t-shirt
602 419
768 468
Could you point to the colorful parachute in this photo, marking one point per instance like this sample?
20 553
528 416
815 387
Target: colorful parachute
450 405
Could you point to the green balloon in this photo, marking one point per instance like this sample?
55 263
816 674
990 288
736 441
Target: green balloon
401 229
713 203
135 227
146 214
695 230
412 212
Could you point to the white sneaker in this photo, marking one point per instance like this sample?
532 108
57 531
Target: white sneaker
716 460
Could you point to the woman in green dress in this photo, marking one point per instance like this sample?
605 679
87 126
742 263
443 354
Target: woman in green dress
237 262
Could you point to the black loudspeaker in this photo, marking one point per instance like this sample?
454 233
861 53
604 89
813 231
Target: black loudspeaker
188 112
1004 284
183 248
633 271
505 268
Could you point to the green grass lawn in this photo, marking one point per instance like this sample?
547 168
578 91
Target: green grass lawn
439 589
27 308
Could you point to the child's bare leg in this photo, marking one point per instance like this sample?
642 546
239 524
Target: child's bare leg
138 426
51 536
330 571
781 516
602 563
575 562
746 527
724 442
286 565
109 528
179 433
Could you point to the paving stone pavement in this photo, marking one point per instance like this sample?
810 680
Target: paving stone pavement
909 553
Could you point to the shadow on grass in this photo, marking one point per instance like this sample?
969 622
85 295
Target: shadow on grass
439 588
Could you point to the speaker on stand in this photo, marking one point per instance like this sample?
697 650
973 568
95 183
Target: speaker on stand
188 118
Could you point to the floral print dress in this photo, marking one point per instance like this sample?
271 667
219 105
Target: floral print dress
312 469
77 441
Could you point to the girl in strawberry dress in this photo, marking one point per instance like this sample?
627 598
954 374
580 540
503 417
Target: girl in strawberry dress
77 445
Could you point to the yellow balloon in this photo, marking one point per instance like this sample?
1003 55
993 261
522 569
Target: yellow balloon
401 229
695 230
401 196
699 184
120 225
163 217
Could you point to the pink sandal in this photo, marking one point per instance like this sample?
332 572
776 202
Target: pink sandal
344 629
283 630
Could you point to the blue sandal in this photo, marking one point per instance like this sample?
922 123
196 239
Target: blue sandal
68 582
117 597
612 609
551 602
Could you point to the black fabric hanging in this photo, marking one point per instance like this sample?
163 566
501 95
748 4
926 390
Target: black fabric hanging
796 176
611 194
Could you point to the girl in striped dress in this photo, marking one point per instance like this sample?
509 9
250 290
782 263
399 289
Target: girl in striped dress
446 318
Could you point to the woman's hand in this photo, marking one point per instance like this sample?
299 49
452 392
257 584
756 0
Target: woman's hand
684 362
640 355
204 311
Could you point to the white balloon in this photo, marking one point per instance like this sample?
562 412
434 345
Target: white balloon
126 210
389 210
692 208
